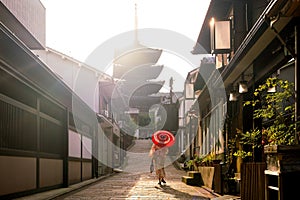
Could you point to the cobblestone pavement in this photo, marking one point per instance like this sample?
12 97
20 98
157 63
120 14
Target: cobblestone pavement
136 182
141 186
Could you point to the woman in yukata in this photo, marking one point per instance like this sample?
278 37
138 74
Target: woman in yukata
158 154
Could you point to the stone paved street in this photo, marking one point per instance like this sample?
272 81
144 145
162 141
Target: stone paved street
141 186
140 183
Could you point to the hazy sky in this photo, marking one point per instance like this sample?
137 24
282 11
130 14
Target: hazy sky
77 27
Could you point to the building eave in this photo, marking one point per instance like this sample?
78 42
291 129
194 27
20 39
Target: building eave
104 121
29 69
257 39
103 75
217 9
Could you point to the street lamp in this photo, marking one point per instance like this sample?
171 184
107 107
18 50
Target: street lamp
220 36
233 94
243 87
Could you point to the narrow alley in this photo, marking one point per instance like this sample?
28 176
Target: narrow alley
133 182
136 182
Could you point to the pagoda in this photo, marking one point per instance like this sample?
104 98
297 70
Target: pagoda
135 69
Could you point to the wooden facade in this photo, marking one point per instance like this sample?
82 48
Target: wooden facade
37 123
51 136
265 44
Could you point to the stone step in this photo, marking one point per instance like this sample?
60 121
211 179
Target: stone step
194 174
191 181
227 197
187 180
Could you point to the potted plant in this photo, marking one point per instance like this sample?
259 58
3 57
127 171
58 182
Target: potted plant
207 159
198 160
275 110
190 165
250 142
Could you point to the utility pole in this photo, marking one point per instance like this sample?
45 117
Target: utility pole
171 82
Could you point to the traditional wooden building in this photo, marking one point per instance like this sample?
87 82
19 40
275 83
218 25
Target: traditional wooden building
263 43
251 41
49 134
95 88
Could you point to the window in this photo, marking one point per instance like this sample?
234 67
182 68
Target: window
18 128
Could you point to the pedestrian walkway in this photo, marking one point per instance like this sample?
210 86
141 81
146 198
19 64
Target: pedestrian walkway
136 182
133 181
137 158
141 185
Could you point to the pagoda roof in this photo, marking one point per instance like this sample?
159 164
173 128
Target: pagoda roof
143 72
134 56
143 102
140 88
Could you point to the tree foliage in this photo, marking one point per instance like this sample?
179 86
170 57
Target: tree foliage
278 109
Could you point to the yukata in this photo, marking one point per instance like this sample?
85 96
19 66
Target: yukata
158 155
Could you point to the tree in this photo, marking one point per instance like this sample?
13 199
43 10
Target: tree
277 110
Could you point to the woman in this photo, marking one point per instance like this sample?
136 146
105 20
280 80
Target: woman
158 154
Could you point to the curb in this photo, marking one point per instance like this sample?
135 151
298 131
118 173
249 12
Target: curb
53 194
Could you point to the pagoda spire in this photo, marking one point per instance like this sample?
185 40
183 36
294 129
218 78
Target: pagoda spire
136 25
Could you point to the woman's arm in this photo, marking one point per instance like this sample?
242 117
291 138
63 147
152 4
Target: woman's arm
152 150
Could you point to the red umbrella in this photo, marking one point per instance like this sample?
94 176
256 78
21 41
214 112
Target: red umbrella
163 138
